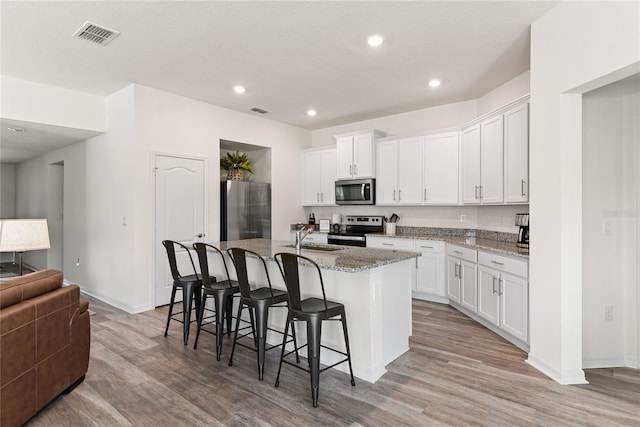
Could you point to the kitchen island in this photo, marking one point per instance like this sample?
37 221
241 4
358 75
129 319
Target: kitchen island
374 285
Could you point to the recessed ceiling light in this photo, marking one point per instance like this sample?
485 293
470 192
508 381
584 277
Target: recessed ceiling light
375 40
239 89
434 83
311 113
16 129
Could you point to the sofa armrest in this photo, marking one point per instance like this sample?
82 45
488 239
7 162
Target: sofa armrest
84 306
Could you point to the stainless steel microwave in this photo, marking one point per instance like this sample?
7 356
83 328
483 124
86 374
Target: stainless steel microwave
356 192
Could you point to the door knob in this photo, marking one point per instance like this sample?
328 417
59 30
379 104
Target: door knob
199 235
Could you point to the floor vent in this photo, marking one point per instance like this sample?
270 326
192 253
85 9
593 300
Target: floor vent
96 34
259 110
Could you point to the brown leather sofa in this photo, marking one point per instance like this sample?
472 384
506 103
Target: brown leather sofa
44 343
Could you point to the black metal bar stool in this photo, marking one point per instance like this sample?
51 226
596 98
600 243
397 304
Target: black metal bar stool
222 292
258 299
191 286
313 311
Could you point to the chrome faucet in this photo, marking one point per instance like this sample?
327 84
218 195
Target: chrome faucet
300 237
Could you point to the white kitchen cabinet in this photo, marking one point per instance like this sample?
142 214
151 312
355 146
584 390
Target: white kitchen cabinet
390 243
399 171
430 277
462 276
317 238
503 293
355 157
441 170
483 162
516 154
318 177
471 164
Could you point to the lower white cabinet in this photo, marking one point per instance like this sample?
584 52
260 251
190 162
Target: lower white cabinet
318 238
430 275
503 294
462 276
429 282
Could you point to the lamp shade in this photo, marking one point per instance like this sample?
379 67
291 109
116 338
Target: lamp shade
20 235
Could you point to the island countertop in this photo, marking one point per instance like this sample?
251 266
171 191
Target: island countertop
332 257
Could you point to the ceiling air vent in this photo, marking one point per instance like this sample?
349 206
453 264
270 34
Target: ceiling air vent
259 110
96 33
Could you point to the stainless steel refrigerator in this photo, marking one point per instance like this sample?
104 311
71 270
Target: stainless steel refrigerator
245 210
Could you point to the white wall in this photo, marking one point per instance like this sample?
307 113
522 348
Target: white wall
610 176
7 191
498 97
7 198
55 106
574 44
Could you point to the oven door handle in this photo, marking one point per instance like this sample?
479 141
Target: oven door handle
351 238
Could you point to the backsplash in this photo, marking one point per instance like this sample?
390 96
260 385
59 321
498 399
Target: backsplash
462 232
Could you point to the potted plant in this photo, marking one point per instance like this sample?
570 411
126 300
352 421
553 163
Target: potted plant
235 164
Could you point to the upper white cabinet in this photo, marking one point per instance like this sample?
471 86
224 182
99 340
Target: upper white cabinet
356 154
482 162
516 154
318 177
441 171
495 158
418 170
399 171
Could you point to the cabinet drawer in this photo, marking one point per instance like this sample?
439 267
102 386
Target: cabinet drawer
463 253
431 246
503 263
390 243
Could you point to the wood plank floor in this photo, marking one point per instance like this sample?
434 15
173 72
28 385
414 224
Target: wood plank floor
457 373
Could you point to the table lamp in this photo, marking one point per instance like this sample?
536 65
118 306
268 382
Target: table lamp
21 235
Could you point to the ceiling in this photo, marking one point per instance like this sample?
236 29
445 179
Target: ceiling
291 56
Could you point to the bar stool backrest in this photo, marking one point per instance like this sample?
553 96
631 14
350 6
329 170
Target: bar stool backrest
239 258
170 246
201 250
288 264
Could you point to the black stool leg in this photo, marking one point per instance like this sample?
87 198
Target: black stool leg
173 297
221 300
284 342
229 308
343 320
235 335
314 332
200 317
187 300
262 314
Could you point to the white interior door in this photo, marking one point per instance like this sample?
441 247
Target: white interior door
179 214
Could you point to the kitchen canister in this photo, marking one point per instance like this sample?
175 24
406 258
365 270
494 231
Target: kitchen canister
390 228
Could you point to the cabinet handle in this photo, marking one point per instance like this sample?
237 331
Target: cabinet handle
481 191
457 252
425 194
500 286
355 170
394 195
494 284
460 270
399 195
476 192
317 197
321 197
522 182
387 244
455 270
426 247
350 169
497 263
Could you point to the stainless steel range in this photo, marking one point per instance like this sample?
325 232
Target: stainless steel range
352 231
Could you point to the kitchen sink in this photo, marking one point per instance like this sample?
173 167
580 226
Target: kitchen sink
317 248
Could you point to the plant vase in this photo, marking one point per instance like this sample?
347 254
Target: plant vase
235 175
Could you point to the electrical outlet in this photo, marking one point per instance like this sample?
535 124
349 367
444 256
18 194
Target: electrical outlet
463 218
607 227
608 313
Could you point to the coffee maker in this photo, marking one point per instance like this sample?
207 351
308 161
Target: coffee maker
522 221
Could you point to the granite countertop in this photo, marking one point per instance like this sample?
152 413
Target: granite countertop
497 246
345 258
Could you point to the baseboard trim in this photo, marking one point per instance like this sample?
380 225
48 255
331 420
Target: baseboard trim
564 377
125 307
429 297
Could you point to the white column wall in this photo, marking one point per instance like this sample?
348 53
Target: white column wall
574 44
